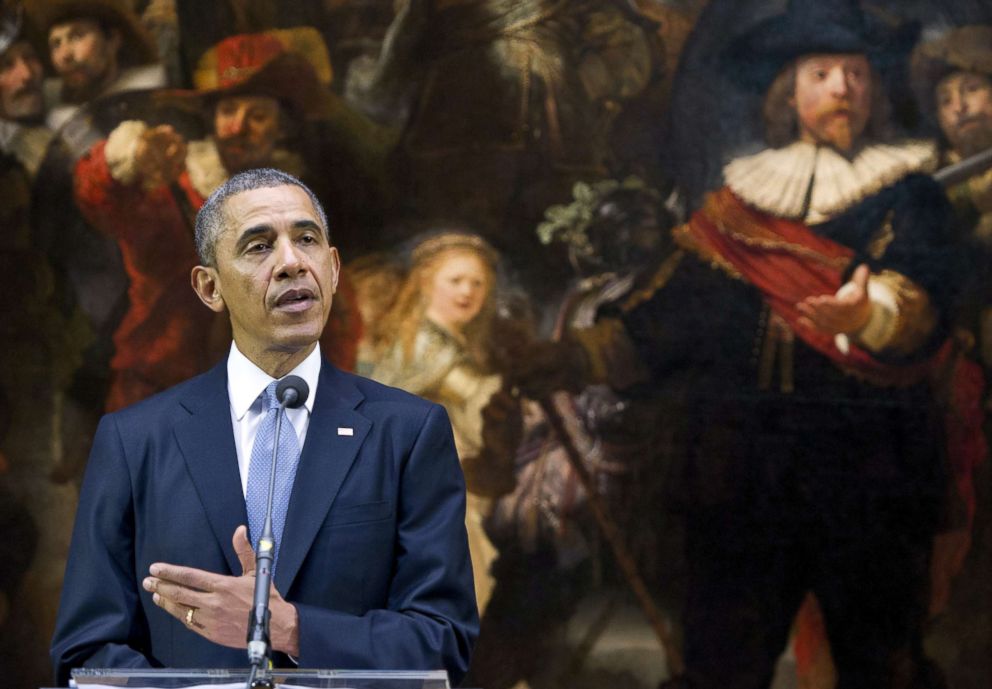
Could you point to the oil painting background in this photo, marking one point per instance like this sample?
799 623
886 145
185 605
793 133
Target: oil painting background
491 117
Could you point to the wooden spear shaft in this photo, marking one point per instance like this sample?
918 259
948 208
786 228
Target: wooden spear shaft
612 534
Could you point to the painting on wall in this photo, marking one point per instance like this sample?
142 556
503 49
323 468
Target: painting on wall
703 286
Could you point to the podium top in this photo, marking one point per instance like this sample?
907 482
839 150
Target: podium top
98 678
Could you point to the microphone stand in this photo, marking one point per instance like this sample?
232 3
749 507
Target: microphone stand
259 644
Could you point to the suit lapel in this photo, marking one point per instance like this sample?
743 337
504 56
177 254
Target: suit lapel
206 439
324 463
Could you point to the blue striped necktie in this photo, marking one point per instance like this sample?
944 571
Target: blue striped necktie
260 467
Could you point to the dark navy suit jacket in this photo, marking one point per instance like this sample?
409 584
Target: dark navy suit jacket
374 553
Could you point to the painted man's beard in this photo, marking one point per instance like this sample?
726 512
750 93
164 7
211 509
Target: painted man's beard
80 85
839 126
971 135
238 154
25 105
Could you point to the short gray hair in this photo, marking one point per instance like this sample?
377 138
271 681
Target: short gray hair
210 218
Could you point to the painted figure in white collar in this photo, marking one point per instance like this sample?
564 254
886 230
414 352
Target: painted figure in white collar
23 134
791 340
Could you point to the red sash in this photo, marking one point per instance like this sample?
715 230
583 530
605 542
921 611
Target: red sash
787 262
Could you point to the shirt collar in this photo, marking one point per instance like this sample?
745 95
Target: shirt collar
8 130
820 182
246 381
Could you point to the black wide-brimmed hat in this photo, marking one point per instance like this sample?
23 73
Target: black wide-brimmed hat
809 27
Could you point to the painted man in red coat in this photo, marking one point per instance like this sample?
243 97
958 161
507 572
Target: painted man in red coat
143 184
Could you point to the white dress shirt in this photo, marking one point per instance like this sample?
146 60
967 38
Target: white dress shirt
245 384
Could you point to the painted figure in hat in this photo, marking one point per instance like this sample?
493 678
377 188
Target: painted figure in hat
104 63
96 47
141 184
953 79
791 340
23 133
32 329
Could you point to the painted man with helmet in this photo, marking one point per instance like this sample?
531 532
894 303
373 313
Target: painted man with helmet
23 134
41 345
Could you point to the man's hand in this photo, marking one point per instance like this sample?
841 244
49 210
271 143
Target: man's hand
846 312
160 156
220 604
502 425
532 367
490 473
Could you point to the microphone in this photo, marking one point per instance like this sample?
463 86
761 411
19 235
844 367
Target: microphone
291 392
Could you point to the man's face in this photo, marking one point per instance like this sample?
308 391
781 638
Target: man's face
20 82
833 98
247 129
85 56
964 108
275 272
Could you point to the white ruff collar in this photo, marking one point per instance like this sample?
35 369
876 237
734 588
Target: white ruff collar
777 180
207 172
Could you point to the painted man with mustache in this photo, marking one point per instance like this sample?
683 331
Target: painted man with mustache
141 183
101 59
952 76
790 340
23 134
96 48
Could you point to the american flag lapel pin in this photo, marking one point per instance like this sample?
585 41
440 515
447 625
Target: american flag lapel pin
345 431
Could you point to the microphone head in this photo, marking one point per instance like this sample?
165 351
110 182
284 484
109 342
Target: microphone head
292 392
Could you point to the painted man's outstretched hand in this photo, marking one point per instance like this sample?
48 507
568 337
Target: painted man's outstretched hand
846 312
160 156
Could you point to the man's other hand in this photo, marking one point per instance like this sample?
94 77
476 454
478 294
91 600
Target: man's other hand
160 156
220 603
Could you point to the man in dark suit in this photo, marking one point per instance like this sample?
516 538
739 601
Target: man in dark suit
372 567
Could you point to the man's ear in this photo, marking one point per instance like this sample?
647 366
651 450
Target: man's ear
206 284
336 264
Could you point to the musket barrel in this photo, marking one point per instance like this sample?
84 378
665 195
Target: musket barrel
965 169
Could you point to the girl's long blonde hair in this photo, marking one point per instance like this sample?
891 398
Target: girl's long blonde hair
400 323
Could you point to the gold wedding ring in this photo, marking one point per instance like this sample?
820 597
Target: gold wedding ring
189 616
